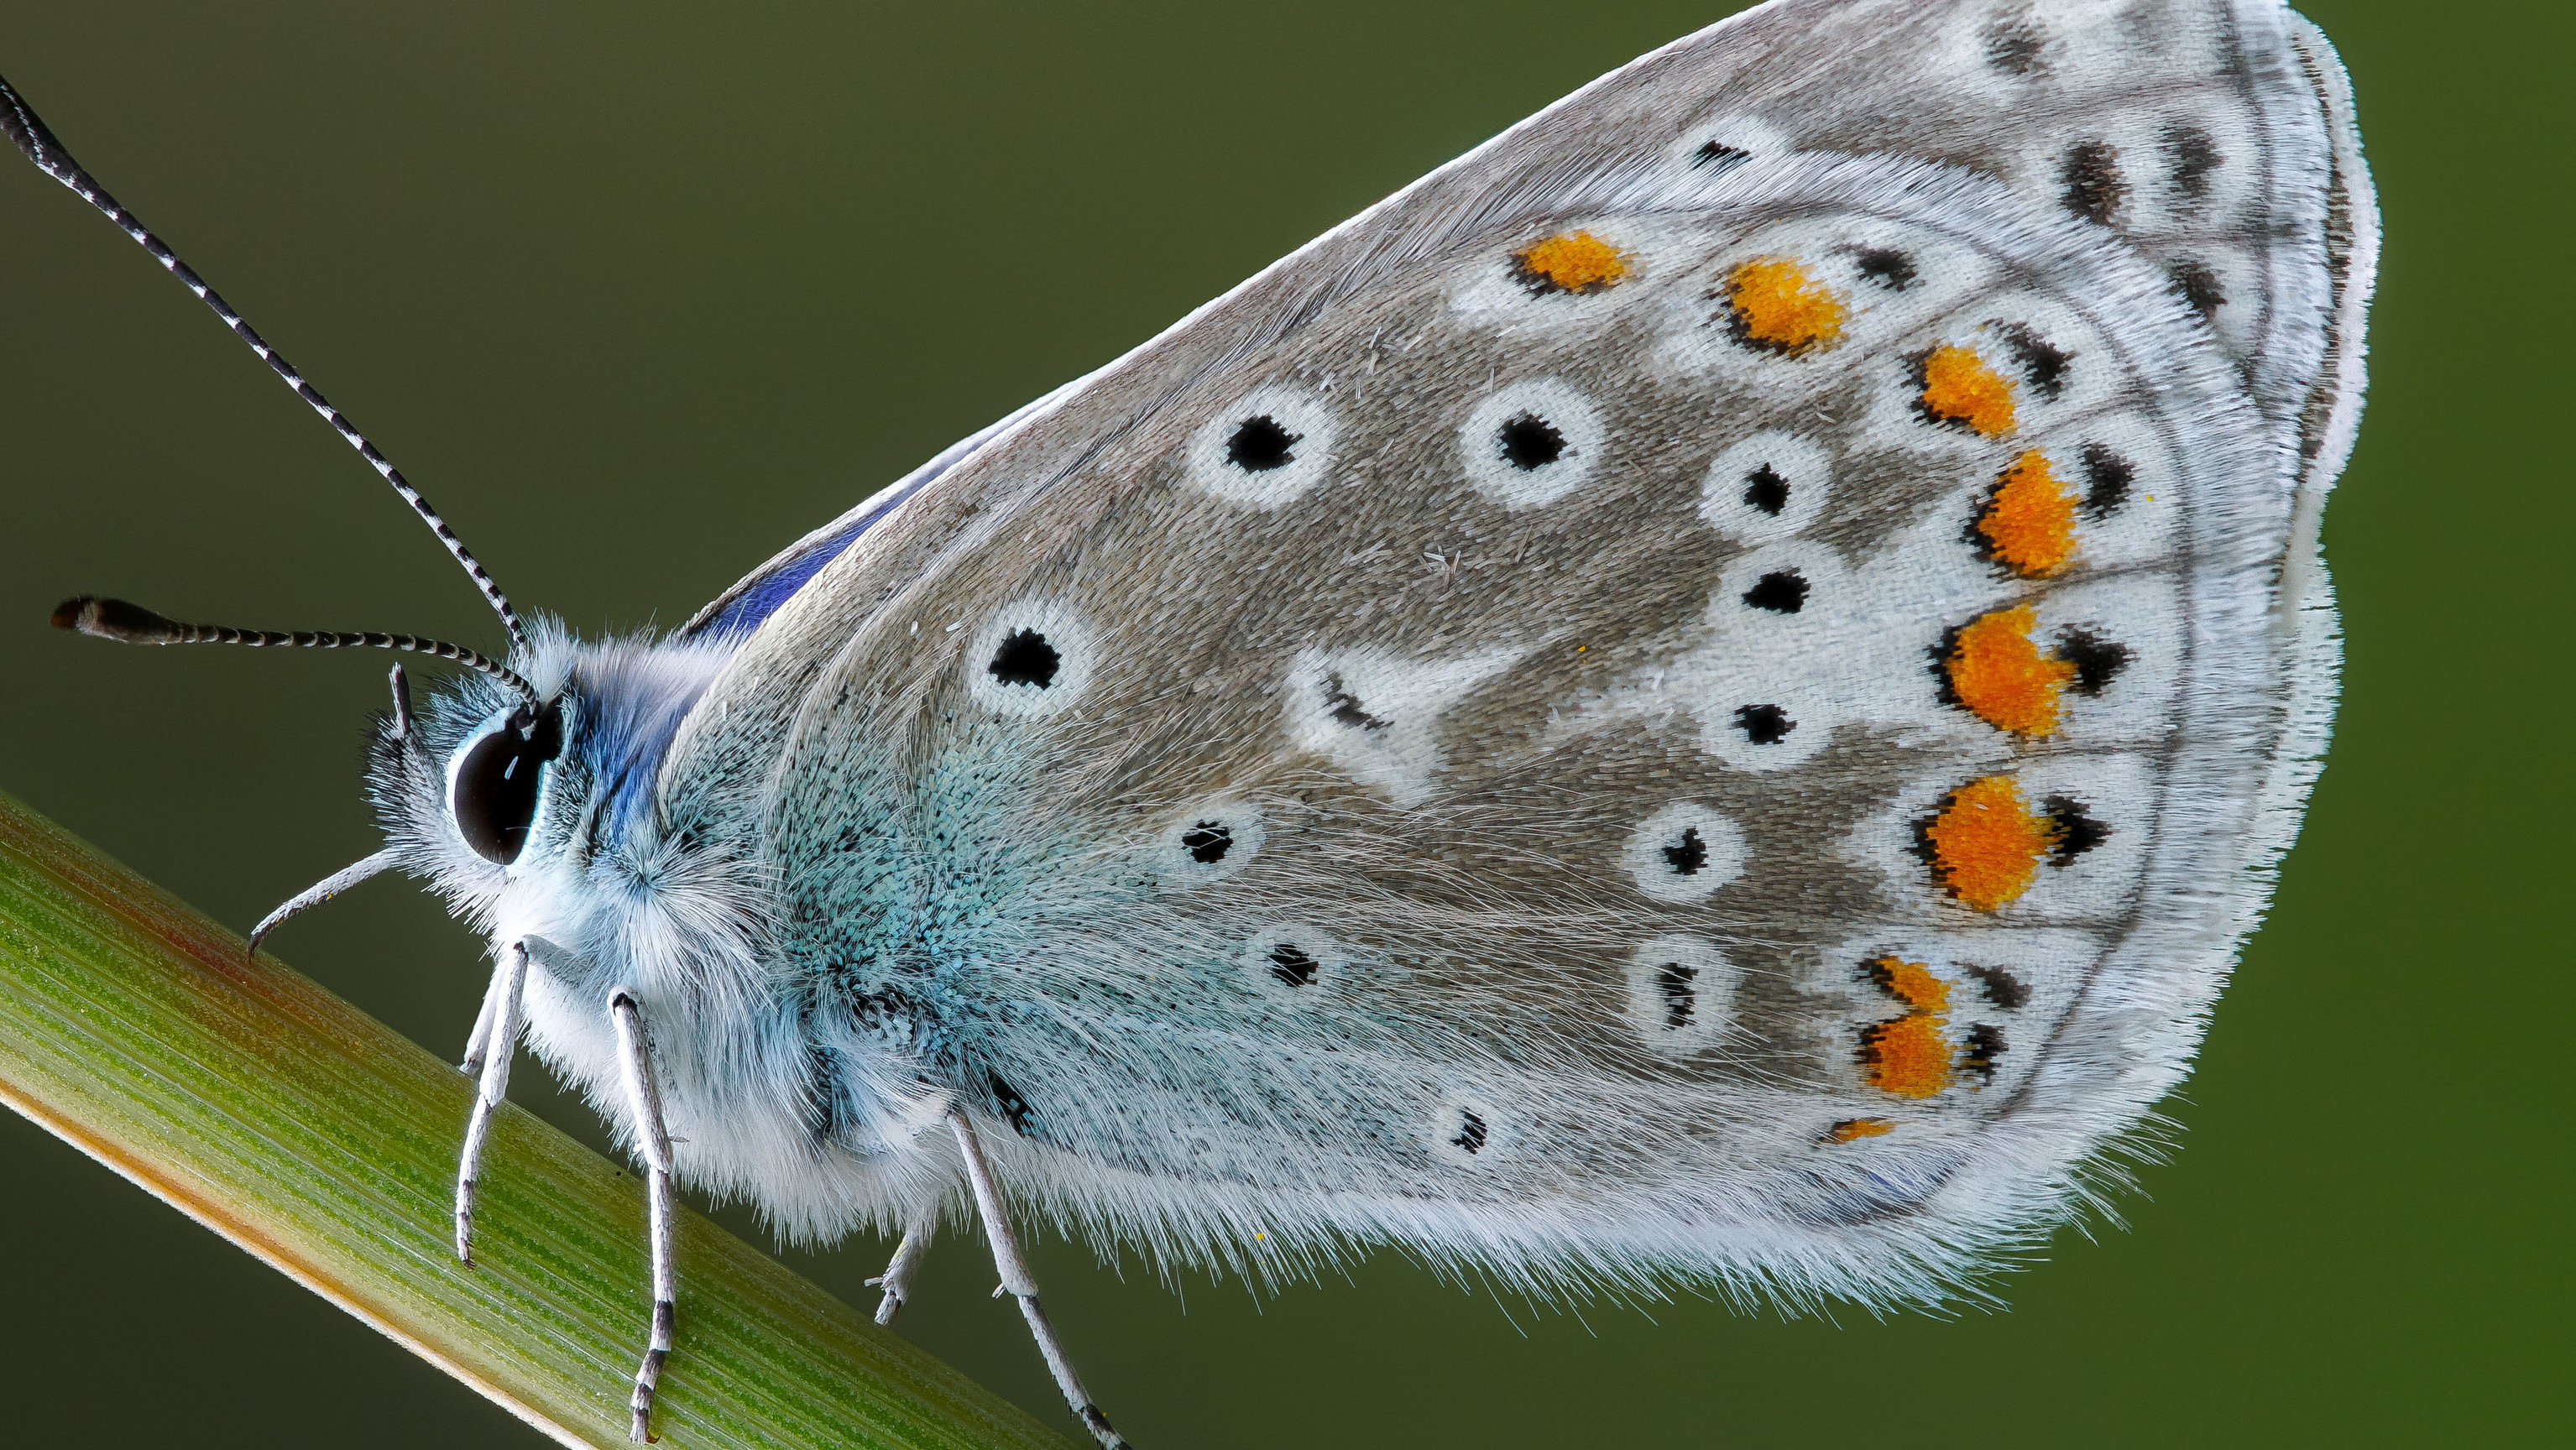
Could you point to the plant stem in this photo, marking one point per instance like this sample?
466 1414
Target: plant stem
308 1133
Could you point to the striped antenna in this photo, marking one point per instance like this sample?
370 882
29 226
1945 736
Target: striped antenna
21 122
133 624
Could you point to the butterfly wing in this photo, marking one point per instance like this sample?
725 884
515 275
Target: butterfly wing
1706 690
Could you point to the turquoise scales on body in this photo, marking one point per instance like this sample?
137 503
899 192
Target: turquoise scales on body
1703 695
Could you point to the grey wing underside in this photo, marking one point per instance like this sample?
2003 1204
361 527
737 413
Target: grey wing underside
1423 989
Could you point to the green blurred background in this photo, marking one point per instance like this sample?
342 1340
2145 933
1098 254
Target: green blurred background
640 292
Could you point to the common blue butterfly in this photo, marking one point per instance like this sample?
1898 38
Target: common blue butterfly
1703 695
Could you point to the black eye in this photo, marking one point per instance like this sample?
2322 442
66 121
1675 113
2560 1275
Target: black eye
495 794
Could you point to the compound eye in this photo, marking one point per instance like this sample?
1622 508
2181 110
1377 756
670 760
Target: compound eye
493 788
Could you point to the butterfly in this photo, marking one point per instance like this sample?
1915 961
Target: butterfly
1704 695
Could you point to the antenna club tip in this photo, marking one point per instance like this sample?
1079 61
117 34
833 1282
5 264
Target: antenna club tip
114 619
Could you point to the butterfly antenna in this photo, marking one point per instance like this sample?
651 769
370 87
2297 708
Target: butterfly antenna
133 624
29 132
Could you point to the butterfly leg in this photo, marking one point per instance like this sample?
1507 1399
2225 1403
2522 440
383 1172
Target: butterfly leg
1018 1283
653 1141
896 1281
317 893
480 1040
487 1056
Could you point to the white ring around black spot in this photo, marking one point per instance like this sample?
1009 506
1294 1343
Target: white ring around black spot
1767 487
1033 658
1264 450
1684 852
1681 994
1209 842
1531 443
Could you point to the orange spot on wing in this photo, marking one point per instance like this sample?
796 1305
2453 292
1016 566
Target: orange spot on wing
1907 1057
1570 262
2029 522
1776 306
1958 387
1985 845
1911 983
2002 678
1851 1129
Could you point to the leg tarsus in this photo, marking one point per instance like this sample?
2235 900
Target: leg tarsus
896 1281
1062 1368
1017 1281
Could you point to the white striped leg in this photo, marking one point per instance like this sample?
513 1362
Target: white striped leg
896 1281
653 1141
488 1053
1018 1283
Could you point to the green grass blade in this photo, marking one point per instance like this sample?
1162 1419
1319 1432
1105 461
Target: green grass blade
308 1133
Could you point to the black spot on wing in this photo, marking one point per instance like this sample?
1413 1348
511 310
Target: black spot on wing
1766 490
2107 477
1345 707
1764 724
1470 1137
2002 988
2095 190
1529 441
1291 965
2097 661
1261 444
2013 44
1025 658
2042 362
1688 855
1782 591
1718 156
2195 283
1673 981
2190 155
1983 1046
1885 266
2074 828
1007 1101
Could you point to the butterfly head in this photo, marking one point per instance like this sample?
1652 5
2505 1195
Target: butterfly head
521 788
521 805
467 782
